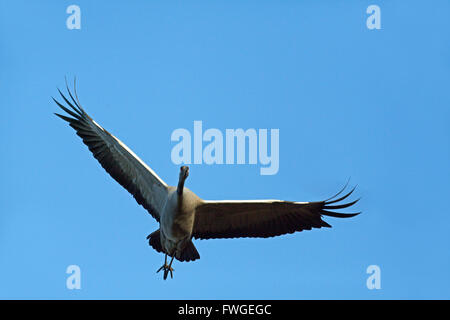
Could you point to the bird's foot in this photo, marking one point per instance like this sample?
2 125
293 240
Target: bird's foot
167 268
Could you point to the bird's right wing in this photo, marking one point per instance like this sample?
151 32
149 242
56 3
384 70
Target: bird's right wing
117 159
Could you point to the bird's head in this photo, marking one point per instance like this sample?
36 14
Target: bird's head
184 173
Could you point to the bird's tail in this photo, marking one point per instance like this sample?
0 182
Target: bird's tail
154 240
189 252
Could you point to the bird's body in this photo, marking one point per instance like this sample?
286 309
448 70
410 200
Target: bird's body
182 215
177 220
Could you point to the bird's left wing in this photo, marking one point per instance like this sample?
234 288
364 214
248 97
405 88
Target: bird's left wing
117 159
263 218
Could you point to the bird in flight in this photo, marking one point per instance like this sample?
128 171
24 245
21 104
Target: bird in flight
181 214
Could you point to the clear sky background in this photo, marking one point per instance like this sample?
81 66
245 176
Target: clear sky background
372 105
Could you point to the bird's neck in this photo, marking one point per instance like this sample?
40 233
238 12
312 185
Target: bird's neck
180 187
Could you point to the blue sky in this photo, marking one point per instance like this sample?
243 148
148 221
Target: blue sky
372 105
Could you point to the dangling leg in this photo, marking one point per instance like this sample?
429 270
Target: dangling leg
164 266
169 269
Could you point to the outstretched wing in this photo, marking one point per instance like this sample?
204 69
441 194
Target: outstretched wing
117 159
264 218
